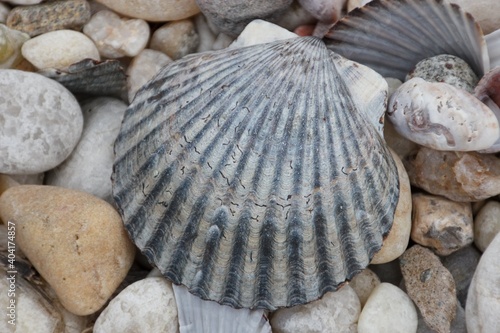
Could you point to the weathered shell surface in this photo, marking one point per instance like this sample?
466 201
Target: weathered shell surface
253 176
493 43
392 36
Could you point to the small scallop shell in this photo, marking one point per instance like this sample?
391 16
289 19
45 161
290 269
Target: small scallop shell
392 36
254 176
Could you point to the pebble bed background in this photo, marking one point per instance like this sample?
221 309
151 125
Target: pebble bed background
439 269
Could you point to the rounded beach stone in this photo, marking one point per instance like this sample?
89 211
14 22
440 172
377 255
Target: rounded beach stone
40 122
7 182
462 265
147 305
336 312
295 16
364 283
431 286
59 49
441 224
176 39
483 300
117 37
231 16
260 32
89 250
387 310
11 42
143 68
397 240
49 16
487 224
458 176
90 165
327 11
154 10
457 324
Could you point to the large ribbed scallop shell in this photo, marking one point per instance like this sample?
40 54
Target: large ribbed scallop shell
392 36
252 175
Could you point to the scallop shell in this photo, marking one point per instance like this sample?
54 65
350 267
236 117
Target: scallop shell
392 36
254 176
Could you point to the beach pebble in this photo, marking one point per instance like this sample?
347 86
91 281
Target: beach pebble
440 116
59 49
142 69
154 10
147 305
260 32
364 283
335 312
389 272
324 10
401 145
397 240
458 176
11 42
487 224
90 252
462 264
443 225
40 122
485 12
222 41
231 16
483 300
7 182
4 12
295 16
23 2
31 179
205 34
457 324
49 16
431 286
117 37
90 165
448 69
31 312
176 39
388 310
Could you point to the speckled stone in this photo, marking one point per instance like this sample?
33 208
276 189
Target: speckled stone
11 42
89 250
59 49
397 240
40 122
483 301
364 283
458 176
175 39
487 224
154 10
388 310
335 312
431 286
147 305
90 165
462 265
443 225
446 68
49 16
457 325
231 16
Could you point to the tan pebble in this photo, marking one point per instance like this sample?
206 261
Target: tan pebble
458 176
76 242
487 225
431 286
175 39
117 37
401 145
11 42
154 10
363 284
49 16
6 182
397 240
59 49
441 224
